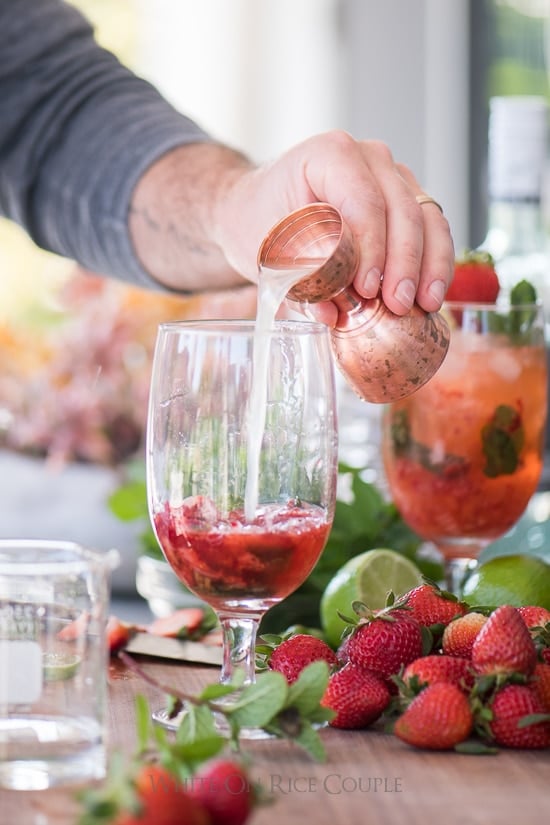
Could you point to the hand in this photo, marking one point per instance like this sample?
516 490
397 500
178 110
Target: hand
409 244
201 211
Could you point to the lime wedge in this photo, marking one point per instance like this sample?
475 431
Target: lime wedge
368 578
59 666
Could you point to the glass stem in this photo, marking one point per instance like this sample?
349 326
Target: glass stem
239 646
456 572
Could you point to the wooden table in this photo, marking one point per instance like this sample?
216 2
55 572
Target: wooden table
369 778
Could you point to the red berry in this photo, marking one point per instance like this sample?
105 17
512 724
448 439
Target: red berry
460 634
357 696
184 623
295 653
438 718
223 788
509 706
385 643
432 606
475 279
162 800
541 684
118 634
504 644
534 616
428 670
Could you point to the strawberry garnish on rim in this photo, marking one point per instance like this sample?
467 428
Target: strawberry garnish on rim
475 280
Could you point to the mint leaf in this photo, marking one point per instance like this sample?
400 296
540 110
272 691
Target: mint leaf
308 690
143 722
502 439
258 703
310 741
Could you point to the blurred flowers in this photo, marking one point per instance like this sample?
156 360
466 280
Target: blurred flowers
76 388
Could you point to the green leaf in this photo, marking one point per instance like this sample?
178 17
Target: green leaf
216 691
129 502
502 439
260 702
475 747
197 723
143 722
533 719
308 690
310 741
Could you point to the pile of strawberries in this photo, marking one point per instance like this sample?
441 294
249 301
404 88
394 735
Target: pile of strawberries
445 677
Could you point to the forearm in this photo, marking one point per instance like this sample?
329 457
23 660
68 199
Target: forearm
77 132
174 213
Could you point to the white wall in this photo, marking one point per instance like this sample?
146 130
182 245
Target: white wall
263 74
408 84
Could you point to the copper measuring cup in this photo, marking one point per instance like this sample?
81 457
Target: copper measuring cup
383 356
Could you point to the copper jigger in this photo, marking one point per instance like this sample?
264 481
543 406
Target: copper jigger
383 356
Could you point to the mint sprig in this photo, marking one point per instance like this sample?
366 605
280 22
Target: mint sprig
282 710
519 323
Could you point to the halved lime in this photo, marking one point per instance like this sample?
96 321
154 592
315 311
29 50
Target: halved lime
57 667
517 580
368 578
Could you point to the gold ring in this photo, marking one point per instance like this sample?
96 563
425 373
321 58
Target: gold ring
422 199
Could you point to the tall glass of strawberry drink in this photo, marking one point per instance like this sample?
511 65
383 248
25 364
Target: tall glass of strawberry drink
463 455
242 465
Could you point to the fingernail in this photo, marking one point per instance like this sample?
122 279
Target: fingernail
370 284
437 291
405 292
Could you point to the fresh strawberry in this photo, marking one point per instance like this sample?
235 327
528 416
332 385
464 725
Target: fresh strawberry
460 634
432 606
428 670
510 705
358 697
475 279
75 629
223 788
504 644
541 684
534 616
185 623
154 797
296 652
386 642
438 718
118 634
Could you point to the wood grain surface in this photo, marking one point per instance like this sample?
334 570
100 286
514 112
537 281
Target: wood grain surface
369 777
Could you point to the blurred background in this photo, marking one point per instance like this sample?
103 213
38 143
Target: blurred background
261 75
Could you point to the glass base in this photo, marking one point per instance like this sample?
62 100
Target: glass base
163 718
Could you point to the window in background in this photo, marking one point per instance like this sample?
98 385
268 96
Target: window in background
510 40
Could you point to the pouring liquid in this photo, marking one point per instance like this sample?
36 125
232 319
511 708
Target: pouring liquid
273 287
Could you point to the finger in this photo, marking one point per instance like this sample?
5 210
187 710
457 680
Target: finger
437 264
337 171
404 230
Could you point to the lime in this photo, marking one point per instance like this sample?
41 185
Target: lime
368 578
57 667
516 580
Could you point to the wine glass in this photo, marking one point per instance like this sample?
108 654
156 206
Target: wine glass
241 466
463 455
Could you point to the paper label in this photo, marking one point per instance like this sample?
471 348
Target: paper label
20 671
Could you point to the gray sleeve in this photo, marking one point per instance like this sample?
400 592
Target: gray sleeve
77 130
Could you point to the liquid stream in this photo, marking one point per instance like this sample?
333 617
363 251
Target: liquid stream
274 285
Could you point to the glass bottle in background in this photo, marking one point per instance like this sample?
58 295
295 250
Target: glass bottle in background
517 171
517 237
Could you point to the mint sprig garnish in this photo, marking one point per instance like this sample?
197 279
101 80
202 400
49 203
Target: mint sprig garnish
282 710
519 323
502 439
